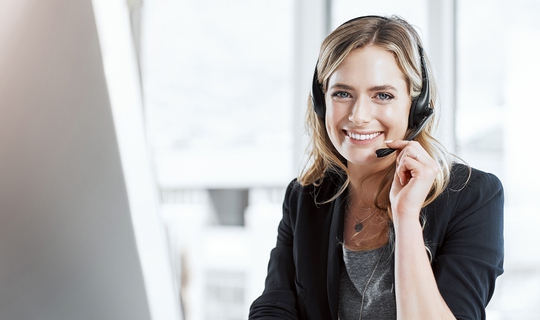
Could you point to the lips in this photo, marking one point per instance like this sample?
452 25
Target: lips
362 137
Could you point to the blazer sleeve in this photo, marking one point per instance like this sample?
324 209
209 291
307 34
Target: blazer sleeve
471 256
278 300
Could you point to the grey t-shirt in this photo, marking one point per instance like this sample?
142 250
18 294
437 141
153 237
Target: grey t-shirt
369 273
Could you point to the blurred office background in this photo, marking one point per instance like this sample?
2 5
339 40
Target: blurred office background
225 85
218 91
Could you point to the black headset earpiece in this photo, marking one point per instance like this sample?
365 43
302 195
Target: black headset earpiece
420 105
420 111
317 96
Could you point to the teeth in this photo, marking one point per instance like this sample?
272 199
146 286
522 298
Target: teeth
362 136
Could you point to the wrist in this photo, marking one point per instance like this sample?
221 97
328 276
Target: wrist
408 218
407 224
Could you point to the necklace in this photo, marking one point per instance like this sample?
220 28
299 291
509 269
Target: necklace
367 284
359 226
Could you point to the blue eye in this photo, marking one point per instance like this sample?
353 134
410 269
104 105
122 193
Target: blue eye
384 96
341 94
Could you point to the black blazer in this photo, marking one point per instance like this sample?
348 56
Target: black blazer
464 230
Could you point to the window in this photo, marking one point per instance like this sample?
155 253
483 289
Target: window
217 78
498 45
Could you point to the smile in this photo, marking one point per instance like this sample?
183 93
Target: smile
363 137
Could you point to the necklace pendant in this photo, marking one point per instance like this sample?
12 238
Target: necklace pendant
358 227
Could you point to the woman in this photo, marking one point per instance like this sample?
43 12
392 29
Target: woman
368 233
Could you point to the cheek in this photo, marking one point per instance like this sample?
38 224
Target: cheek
396 119
330 126
331 119
337 111
333 127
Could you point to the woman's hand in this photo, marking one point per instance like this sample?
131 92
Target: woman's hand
415 173
417 293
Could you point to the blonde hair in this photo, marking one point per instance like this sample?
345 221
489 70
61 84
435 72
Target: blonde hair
399 38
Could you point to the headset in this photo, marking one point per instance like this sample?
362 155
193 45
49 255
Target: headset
420 111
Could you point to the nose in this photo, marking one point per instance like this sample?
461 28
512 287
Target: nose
361 112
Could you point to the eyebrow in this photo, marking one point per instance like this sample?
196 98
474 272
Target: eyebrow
341 86
384 87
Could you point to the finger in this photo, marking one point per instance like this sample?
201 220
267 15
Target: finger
407 168
411 152
402 176
416 155
397 144
400 145
414 150
397 184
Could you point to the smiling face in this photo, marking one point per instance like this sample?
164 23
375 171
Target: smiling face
367 103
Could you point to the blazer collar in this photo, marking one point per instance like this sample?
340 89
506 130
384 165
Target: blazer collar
335 251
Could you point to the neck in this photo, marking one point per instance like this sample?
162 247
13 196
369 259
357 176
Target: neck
365 180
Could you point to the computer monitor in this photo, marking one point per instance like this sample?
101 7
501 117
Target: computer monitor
74 243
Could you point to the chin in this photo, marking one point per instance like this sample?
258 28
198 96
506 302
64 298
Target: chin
366 158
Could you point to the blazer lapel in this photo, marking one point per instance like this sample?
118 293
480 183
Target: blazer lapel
335 253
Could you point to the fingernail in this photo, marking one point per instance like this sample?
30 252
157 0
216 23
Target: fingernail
389 141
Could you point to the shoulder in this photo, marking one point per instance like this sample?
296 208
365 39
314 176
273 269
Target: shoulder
463 176
472 197
469 186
